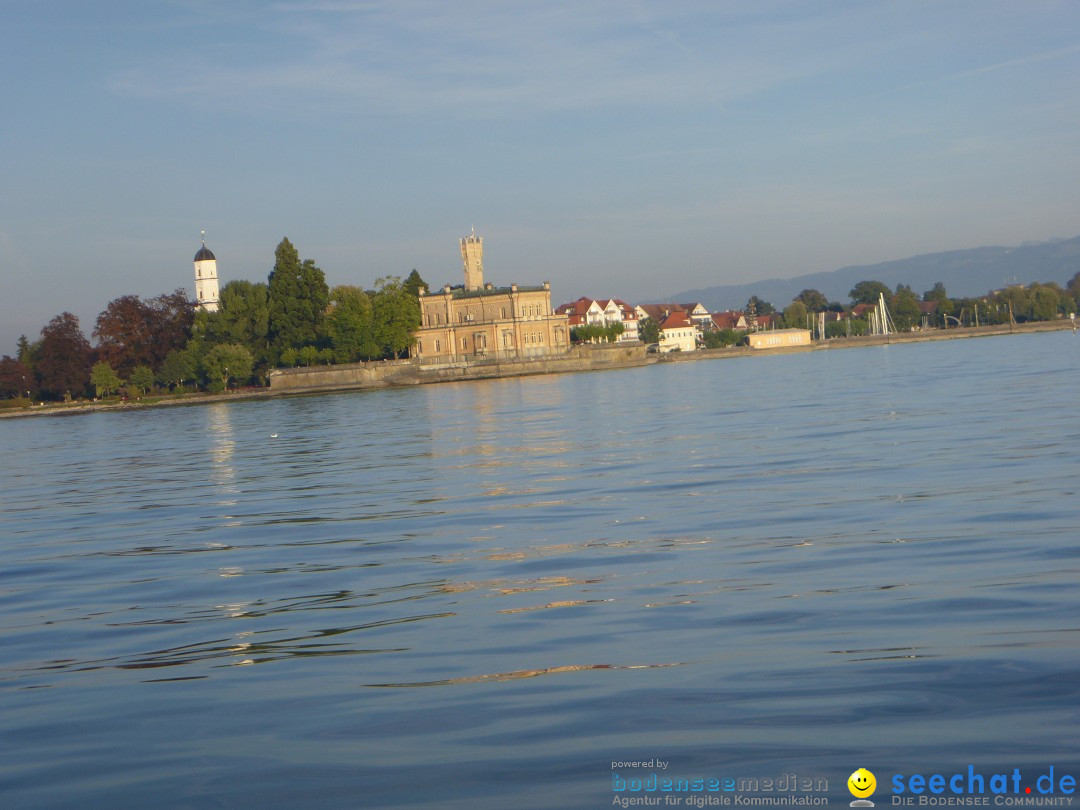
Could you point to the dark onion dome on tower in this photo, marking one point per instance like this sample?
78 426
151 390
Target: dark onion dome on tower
204 254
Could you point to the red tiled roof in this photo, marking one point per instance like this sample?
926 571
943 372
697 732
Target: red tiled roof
579 307
660 311
692 306
676 319
726 320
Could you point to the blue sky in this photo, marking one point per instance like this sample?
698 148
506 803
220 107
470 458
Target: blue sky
631 149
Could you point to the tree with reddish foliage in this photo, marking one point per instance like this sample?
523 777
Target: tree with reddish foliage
15 378
63 361
131 332
171 317
124 334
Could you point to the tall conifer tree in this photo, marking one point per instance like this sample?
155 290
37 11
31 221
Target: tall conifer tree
298 299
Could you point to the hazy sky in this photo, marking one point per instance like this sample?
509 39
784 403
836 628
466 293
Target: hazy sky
631 149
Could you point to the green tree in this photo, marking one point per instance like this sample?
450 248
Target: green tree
1072 288
298 298
795 315
141 379
350 325
307 355
648 331
414 282
597 332
396 314
813 300
719 338
179 365
104 379
866 292
848 327
583 333
904 308
935 294
759 306
243 317
586 333
228 361
1014 303
63 362
989 312
26 352
1046 301
944 305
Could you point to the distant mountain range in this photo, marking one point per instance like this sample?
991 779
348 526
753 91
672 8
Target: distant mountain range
964 273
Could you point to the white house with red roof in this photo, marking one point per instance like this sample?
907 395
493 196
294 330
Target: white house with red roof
698 314
678 333
601 312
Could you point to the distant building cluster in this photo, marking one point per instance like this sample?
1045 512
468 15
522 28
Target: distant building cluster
680 327
476 319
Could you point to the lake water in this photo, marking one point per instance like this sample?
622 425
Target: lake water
481 595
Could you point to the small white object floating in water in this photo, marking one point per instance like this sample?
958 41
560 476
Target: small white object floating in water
273 435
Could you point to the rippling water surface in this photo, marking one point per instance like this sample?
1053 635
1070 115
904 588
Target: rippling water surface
481 594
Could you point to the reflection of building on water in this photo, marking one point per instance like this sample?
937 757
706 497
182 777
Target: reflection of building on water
222 447
479 319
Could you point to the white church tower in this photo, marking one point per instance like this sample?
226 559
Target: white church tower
206 283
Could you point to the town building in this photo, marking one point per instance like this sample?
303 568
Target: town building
477 319
602 312
206 280
678 333
779 338
698 314
680 328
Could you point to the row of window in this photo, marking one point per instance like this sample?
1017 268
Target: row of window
480 340
527 311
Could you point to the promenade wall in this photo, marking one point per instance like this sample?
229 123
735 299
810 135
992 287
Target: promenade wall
411 372
577 358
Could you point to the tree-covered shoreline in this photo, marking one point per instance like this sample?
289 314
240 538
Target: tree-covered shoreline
168 344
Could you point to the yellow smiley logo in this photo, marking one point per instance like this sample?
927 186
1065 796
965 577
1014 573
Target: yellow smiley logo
861 783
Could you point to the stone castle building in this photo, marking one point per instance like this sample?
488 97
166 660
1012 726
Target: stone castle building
479 320
206 280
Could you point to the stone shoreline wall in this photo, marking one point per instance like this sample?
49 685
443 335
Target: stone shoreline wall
586 358
578 358
409 372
